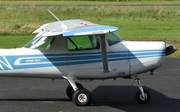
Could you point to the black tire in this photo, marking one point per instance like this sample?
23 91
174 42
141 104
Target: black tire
82 97
70 90
140 99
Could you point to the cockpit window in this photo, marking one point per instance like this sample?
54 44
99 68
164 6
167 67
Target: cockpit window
47 44
113 38
82 42
40 42
32 42
87 42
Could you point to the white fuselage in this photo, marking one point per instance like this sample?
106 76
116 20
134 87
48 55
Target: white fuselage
124 59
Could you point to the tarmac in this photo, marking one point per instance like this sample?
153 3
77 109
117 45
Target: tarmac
43 95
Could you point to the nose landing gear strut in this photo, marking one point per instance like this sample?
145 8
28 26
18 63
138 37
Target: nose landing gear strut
143 96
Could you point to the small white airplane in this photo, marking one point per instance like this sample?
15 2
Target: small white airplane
81 50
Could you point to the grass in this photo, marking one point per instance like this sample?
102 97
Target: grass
33 3
14 41
135 23
86 1
17 21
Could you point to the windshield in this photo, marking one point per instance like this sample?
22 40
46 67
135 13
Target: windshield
32 42
40 43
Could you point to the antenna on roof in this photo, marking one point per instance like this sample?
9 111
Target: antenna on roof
63 26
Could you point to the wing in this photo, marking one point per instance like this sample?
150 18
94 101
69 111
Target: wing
75 27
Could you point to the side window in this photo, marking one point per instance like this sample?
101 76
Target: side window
113 38
47 44
85 42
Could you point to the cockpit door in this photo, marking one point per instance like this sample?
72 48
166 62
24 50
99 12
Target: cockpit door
83 55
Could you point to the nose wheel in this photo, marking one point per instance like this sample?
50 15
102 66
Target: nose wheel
143 96
143 99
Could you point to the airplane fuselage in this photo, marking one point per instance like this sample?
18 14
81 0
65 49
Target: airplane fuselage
125 58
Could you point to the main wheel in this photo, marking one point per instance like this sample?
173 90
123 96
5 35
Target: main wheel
70 90
140 99
82 97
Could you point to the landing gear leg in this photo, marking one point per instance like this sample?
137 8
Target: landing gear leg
70 90
143 96
76 92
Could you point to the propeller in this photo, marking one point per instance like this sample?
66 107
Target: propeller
170 49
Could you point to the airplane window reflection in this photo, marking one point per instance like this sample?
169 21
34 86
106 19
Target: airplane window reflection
87 42
40 42
32 42
113 38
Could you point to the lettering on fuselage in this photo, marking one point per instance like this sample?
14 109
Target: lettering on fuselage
4 63
23 62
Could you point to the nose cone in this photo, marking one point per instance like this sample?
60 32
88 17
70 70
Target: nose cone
170 49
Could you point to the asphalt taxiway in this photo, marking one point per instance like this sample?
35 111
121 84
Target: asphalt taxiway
42 95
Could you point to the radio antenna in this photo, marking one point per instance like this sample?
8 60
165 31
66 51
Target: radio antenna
63 26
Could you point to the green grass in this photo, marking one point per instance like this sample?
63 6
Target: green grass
85 1
33 3
14 41
135 23
17 21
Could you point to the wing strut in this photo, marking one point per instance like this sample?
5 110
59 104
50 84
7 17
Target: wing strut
104 52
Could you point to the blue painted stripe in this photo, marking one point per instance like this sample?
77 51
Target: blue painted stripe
48 60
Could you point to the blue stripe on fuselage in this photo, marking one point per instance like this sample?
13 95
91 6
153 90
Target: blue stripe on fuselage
48 60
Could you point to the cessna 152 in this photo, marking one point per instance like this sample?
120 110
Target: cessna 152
81 50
